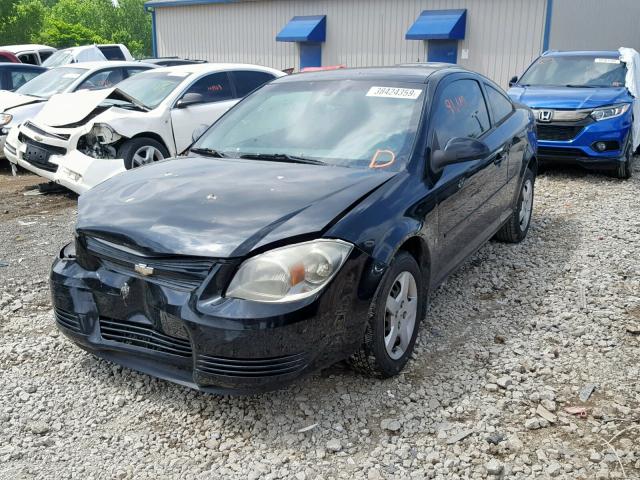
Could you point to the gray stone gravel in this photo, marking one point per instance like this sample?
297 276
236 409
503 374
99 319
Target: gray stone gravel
518 329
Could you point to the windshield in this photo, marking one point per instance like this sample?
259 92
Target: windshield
575 71
51 82
61 57
151 88
366 124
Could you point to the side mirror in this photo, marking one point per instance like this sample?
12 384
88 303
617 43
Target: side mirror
188 99
458 150
197 133
513 80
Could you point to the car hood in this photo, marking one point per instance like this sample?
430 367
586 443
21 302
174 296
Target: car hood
9 100
71 108
568 97
25 112
220 207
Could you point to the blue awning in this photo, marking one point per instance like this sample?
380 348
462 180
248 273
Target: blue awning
304 29
439 25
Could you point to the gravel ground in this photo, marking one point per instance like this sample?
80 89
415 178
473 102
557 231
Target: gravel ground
509 343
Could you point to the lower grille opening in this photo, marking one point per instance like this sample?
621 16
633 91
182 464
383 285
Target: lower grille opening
251 367
143 336
560 152
68 320
558 132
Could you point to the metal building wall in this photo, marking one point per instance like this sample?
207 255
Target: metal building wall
502 38
595 24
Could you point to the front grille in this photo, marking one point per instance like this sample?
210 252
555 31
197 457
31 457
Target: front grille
251 367
560 152
143 336
33 127
37 154
68 320
176 271
558 132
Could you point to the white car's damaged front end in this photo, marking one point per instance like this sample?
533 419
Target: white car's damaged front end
87 149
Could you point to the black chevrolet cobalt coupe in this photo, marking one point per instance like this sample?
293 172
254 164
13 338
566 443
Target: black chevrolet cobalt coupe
308 225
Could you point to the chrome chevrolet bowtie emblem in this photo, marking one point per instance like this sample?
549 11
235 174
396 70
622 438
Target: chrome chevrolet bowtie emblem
143 269
124 291
545 115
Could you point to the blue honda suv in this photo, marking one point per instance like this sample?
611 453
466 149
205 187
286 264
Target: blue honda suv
582 108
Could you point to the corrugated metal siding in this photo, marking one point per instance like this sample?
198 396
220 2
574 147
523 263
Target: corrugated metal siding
595 24
503 36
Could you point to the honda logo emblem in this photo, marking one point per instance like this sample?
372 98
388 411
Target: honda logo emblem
545 115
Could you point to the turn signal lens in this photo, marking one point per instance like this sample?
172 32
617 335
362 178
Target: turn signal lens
289 273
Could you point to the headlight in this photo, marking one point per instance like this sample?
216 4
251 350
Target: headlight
289 273
104 134
610 111
5 118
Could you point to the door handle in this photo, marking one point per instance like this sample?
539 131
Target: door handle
500 154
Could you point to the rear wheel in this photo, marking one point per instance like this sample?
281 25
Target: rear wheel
516 228
394 319
141 151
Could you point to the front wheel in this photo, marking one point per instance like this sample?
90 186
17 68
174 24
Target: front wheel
394 319
625 169
141 151
516 228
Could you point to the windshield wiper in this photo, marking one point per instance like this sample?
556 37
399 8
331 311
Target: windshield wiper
580 86
282 157
209 152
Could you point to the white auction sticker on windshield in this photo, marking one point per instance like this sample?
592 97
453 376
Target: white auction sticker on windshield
607 60
71 75
394 92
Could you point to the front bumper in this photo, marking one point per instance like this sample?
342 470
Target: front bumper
579 148
201 340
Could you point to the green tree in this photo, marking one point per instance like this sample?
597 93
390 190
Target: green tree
20 20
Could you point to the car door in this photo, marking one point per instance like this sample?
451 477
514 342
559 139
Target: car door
463 189
216 97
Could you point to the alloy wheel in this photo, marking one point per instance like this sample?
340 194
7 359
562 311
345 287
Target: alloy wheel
146 154
400 315
526 205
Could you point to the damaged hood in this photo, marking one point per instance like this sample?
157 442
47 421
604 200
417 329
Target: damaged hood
220 207
567 97
69 108
9 100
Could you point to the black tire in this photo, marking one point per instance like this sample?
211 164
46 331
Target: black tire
128 149
513 231
625 169
372 358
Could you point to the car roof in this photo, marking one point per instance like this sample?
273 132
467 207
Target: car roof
583 53
195 68
105 64
409 72
27 46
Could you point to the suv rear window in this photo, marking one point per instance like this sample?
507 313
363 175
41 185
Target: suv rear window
112 52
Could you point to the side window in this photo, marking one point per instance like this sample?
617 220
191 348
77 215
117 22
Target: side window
501 106
213 88
28 58
44 54
102 79
22 76
112 53
131 71
460 111
247 81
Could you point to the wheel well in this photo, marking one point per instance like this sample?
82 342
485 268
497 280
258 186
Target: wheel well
415 247
155 136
